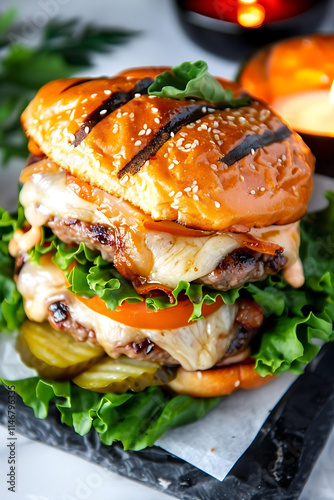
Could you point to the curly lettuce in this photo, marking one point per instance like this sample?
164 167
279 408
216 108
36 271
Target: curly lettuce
135 419
192 79
11 305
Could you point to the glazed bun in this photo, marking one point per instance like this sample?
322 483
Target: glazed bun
218 381
208 174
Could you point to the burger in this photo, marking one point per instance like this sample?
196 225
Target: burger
160 232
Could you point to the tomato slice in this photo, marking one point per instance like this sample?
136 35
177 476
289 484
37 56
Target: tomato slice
138 316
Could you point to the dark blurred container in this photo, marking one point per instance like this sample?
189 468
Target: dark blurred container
235 28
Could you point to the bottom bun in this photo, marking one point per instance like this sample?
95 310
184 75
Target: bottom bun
218 381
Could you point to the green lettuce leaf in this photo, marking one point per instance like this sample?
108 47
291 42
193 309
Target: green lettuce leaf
135 419
296 318
11 305
191 79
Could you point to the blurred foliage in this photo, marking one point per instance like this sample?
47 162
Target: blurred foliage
62 48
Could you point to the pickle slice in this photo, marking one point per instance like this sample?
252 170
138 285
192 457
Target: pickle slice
122 374
55 354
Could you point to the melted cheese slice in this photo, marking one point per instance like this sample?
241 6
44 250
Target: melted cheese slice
198 346
159 257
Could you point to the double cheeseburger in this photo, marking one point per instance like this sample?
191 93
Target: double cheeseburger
183 199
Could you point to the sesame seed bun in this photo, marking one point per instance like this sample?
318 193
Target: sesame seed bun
191 177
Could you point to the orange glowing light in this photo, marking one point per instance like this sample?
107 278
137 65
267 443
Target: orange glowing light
331 93
250 14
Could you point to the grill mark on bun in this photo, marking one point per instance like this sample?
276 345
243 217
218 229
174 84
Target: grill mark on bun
75 84
113 102
188 115
255 141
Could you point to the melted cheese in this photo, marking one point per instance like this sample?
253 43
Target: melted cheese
196 347
158 256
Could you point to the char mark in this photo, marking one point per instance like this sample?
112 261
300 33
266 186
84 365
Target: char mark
75 84
114 101
188 115
255 141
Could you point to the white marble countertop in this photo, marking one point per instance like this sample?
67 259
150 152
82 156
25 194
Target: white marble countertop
45 473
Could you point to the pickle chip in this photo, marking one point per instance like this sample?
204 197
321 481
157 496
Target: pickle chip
55 354
120 375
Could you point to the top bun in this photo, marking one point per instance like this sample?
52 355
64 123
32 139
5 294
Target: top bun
185 179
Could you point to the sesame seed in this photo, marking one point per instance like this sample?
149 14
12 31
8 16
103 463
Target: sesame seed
145 126
125 178
199 375
142 132
138 143
253 151
217 137
155 110
220 143
171 193
103 111
194 182
188 145
85 100
187 189
119 114
156 120
204 126
195 189
283 158
93 95
172 134
131 180
217 204
176 162
252 191
242 178
171 166
204 109
252 166
137 94
237 383
148 131
215 124
211 110
195 197
262 189
132 115
107 92
125 113
214 167
230 117
146 164
86 130
178 195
